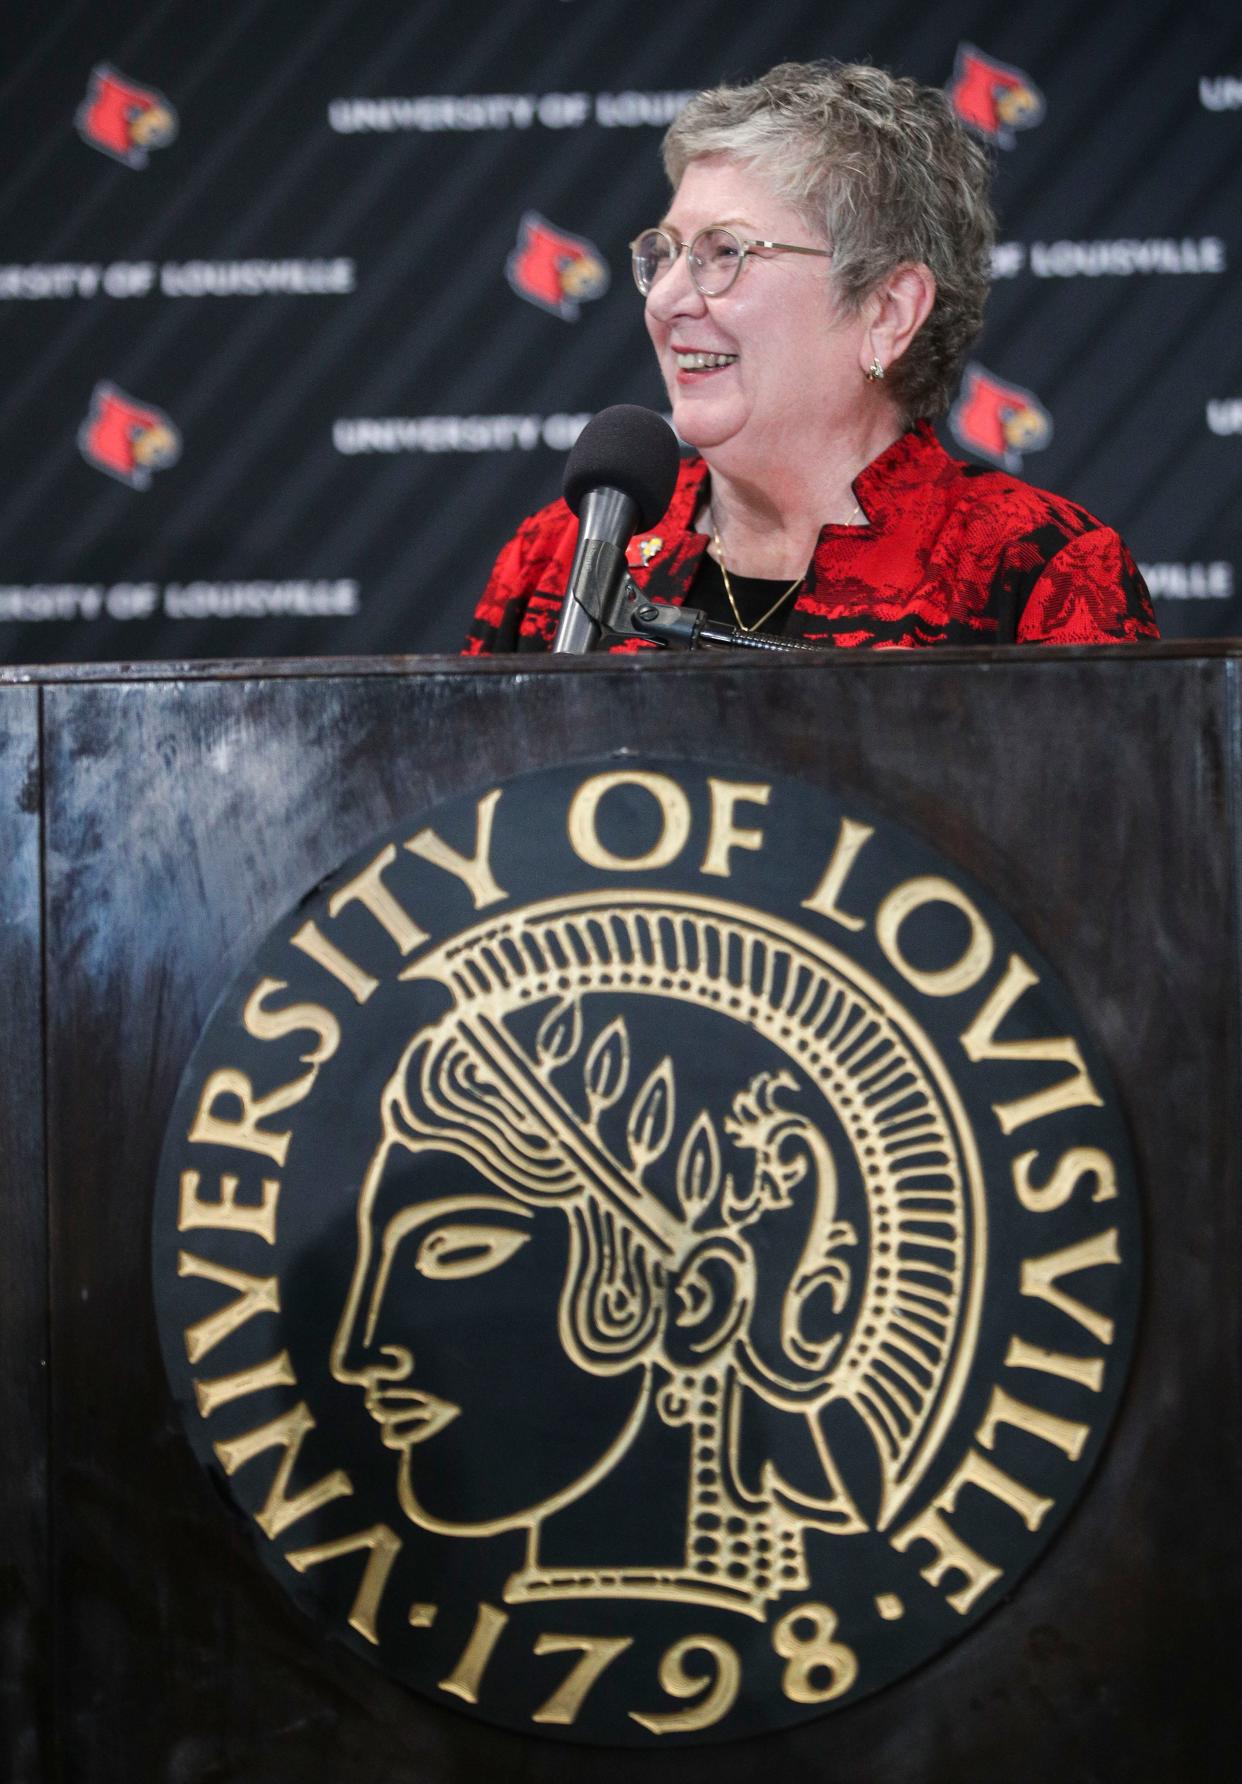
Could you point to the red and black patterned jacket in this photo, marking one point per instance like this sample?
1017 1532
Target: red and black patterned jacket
951 554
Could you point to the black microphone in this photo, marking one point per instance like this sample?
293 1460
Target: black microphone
618 481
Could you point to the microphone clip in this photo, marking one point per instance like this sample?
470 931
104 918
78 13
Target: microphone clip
630 614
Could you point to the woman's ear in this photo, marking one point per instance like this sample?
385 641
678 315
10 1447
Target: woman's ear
710 1295
896 310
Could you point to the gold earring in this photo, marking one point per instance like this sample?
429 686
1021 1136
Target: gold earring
874 372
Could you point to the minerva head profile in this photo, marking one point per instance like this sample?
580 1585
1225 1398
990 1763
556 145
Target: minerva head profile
576 1252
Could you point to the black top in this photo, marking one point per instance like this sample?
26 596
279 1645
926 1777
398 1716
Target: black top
753 594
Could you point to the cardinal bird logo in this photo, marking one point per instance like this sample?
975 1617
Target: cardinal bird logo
993 98
997 420
127 439
123 119
556 271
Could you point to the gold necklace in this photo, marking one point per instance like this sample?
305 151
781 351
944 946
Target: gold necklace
780 599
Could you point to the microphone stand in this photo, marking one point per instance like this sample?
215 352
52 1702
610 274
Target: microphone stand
629 615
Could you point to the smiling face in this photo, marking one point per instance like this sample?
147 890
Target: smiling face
795 358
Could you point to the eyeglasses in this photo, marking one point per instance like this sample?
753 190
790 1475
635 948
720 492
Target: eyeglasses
715 256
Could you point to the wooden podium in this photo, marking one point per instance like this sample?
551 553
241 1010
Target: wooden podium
154 824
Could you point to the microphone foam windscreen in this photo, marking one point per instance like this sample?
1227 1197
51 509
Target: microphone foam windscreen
626 448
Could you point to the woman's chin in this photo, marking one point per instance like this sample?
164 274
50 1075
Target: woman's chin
702 422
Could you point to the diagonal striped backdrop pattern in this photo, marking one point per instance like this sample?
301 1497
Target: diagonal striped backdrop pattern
304 303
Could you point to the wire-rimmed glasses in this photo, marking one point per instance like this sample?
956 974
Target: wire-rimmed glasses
715 256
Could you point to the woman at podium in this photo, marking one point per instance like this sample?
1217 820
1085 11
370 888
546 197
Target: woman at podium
811 295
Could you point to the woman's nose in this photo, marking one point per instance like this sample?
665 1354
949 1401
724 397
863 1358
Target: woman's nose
675 294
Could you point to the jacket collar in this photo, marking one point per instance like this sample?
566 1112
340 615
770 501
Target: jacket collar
664 560
882 487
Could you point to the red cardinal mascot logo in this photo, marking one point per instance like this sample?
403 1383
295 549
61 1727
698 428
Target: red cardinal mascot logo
127 439
558 272
122 119
993 98
997 420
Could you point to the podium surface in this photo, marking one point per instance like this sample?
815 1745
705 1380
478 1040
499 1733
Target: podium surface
155 824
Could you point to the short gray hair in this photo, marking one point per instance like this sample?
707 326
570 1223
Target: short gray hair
884 169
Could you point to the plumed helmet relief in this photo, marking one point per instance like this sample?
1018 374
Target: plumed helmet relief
707 1251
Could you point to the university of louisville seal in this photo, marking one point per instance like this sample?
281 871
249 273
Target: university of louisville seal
651 1247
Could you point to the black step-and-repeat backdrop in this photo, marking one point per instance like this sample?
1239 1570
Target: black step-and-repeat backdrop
305 300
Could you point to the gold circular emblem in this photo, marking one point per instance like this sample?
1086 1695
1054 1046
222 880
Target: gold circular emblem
698 1273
